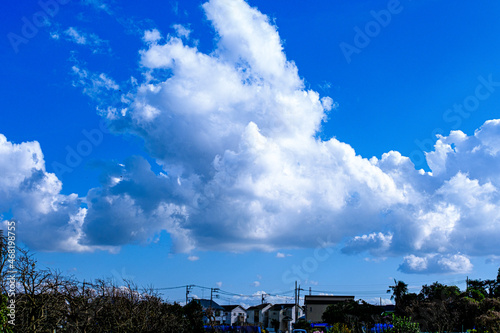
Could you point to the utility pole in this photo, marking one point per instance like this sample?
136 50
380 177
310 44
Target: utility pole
263 298
212 291
296 303
297 300
298 295
310 293
295 294
209 310
188 289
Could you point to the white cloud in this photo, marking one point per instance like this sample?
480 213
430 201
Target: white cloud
218 284
99 87
435 263
193 258
99 5
151 36
312 282
75 36
250 127
181 31
91 40
378 301
489 135
374 242
256 283
33 197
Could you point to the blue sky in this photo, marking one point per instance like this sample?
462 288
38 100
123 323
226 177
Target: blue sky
246 145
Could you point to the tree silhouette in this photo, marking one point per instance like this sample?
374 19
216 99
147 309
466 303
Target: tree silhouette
399 290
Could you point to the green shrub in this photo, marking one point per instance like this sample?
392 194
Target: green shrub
339 328
404 325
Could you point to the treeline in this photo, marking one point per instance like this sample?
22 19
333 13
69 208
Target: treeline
436 308
47 301
440 308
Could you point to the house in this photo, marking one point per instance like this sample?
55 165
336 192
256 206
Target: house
258 315
234 315
283 316
315 305
212 312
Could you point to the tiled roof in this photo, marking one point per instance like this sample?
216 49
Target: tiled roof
231 307
206 303
278 307
258 307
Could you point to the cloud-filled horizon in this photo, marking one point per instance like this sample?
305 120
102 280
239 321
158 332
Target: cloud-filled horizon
236 134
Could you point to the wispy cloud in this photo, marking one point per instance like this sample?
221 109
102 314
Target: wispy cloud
77 36
99 5
181 31
98 86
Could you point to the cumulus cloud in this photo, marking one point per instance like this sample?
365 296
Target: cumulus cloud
46 219
151 36
250 126
372 242
435 263
181 30
235 133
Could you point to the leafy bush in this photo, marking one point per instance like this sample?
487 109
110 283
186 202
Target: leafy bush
5 327
339 328
404 325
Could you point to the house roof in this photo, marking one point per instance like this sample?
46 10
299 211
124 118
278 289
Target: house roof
326 299
278 307
232 307
206 303
259 307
